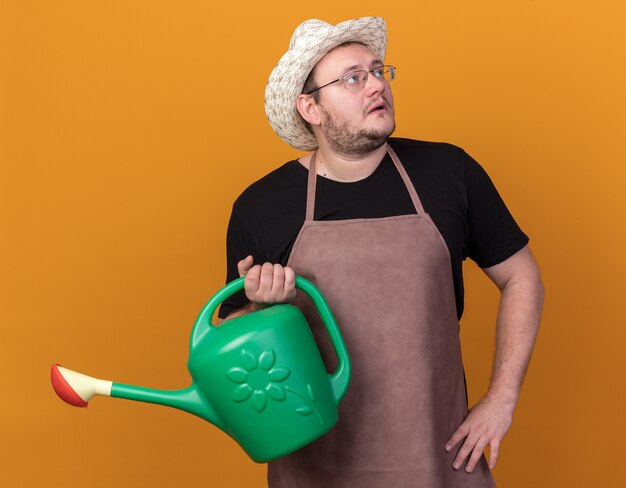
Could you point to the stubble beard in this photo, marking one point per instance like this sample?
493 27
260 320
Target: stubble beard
344 139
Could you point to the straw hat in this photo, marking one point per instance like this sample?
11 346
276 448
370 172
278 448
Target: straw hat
310 42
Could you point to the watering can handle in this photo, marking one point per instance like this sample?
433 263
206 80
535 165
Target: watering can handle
339 379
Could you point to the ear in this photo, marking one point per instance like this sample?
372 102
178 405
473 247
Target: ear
308 109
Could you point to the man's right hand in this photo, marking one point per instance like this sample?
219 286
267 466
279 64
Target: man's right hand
267 284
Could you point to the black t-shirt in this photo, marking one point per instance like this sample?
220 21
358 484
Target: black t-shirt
453 188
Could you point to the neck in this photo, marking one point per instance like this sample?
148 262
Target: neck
346 168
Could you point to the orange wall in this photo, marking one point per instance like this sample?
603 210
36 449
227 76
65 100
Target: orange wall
128 128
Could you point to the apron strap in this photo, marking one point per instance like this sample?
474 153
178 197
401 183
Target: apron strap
310 194
407 181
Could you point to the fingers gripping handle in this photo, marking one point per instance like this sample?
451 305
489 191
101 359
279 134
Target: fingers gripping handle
339 379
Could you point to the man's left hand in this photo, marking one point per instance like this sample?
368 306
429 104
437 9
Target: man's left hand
486 424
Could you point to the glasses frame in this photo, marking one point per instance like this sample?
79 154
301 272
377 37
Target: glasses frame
388 68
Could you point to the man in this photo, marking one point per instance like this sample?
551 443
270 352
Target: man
382 227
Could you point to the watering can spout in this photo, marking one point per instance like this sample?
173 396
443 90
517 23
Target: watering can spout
77 389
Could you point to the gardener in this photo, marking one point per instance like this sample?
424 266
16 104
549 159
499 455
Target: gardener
382 226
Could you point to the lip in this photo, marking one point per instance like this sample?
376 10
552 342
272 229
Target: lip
380 106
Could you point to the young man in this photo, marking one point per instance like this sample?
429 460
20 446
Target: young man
382 227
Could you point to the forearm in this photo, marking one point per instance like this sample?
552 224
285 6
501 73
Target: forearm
517 325
521 300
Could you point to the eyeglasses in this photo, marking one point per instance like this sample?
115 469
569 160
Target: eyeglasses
355 80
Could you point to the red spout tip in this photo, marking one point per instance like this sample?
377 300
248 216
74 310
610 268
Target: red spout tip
63 388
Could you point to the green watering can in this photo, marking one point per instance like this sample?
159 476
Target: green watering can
258 377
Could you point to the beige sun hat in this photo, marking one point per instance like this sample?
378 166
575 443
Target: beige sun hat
310 42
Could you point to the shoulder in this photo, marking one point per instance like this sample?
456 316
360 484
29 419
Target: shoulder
433 163
272 189
430 156
413 148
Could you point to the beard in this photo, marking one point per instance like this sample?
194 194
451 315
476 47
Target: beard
345 139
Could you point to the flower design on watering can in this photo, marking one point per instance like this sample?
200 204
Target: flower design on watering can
258 379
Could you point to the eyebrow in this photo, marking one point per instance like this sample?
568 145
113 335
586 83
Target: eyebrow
376 62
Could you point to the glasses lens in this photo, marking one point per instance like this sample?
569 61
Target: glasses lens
355 80
387 72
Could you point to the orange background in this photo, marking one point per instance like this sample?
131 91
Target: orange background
128 128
